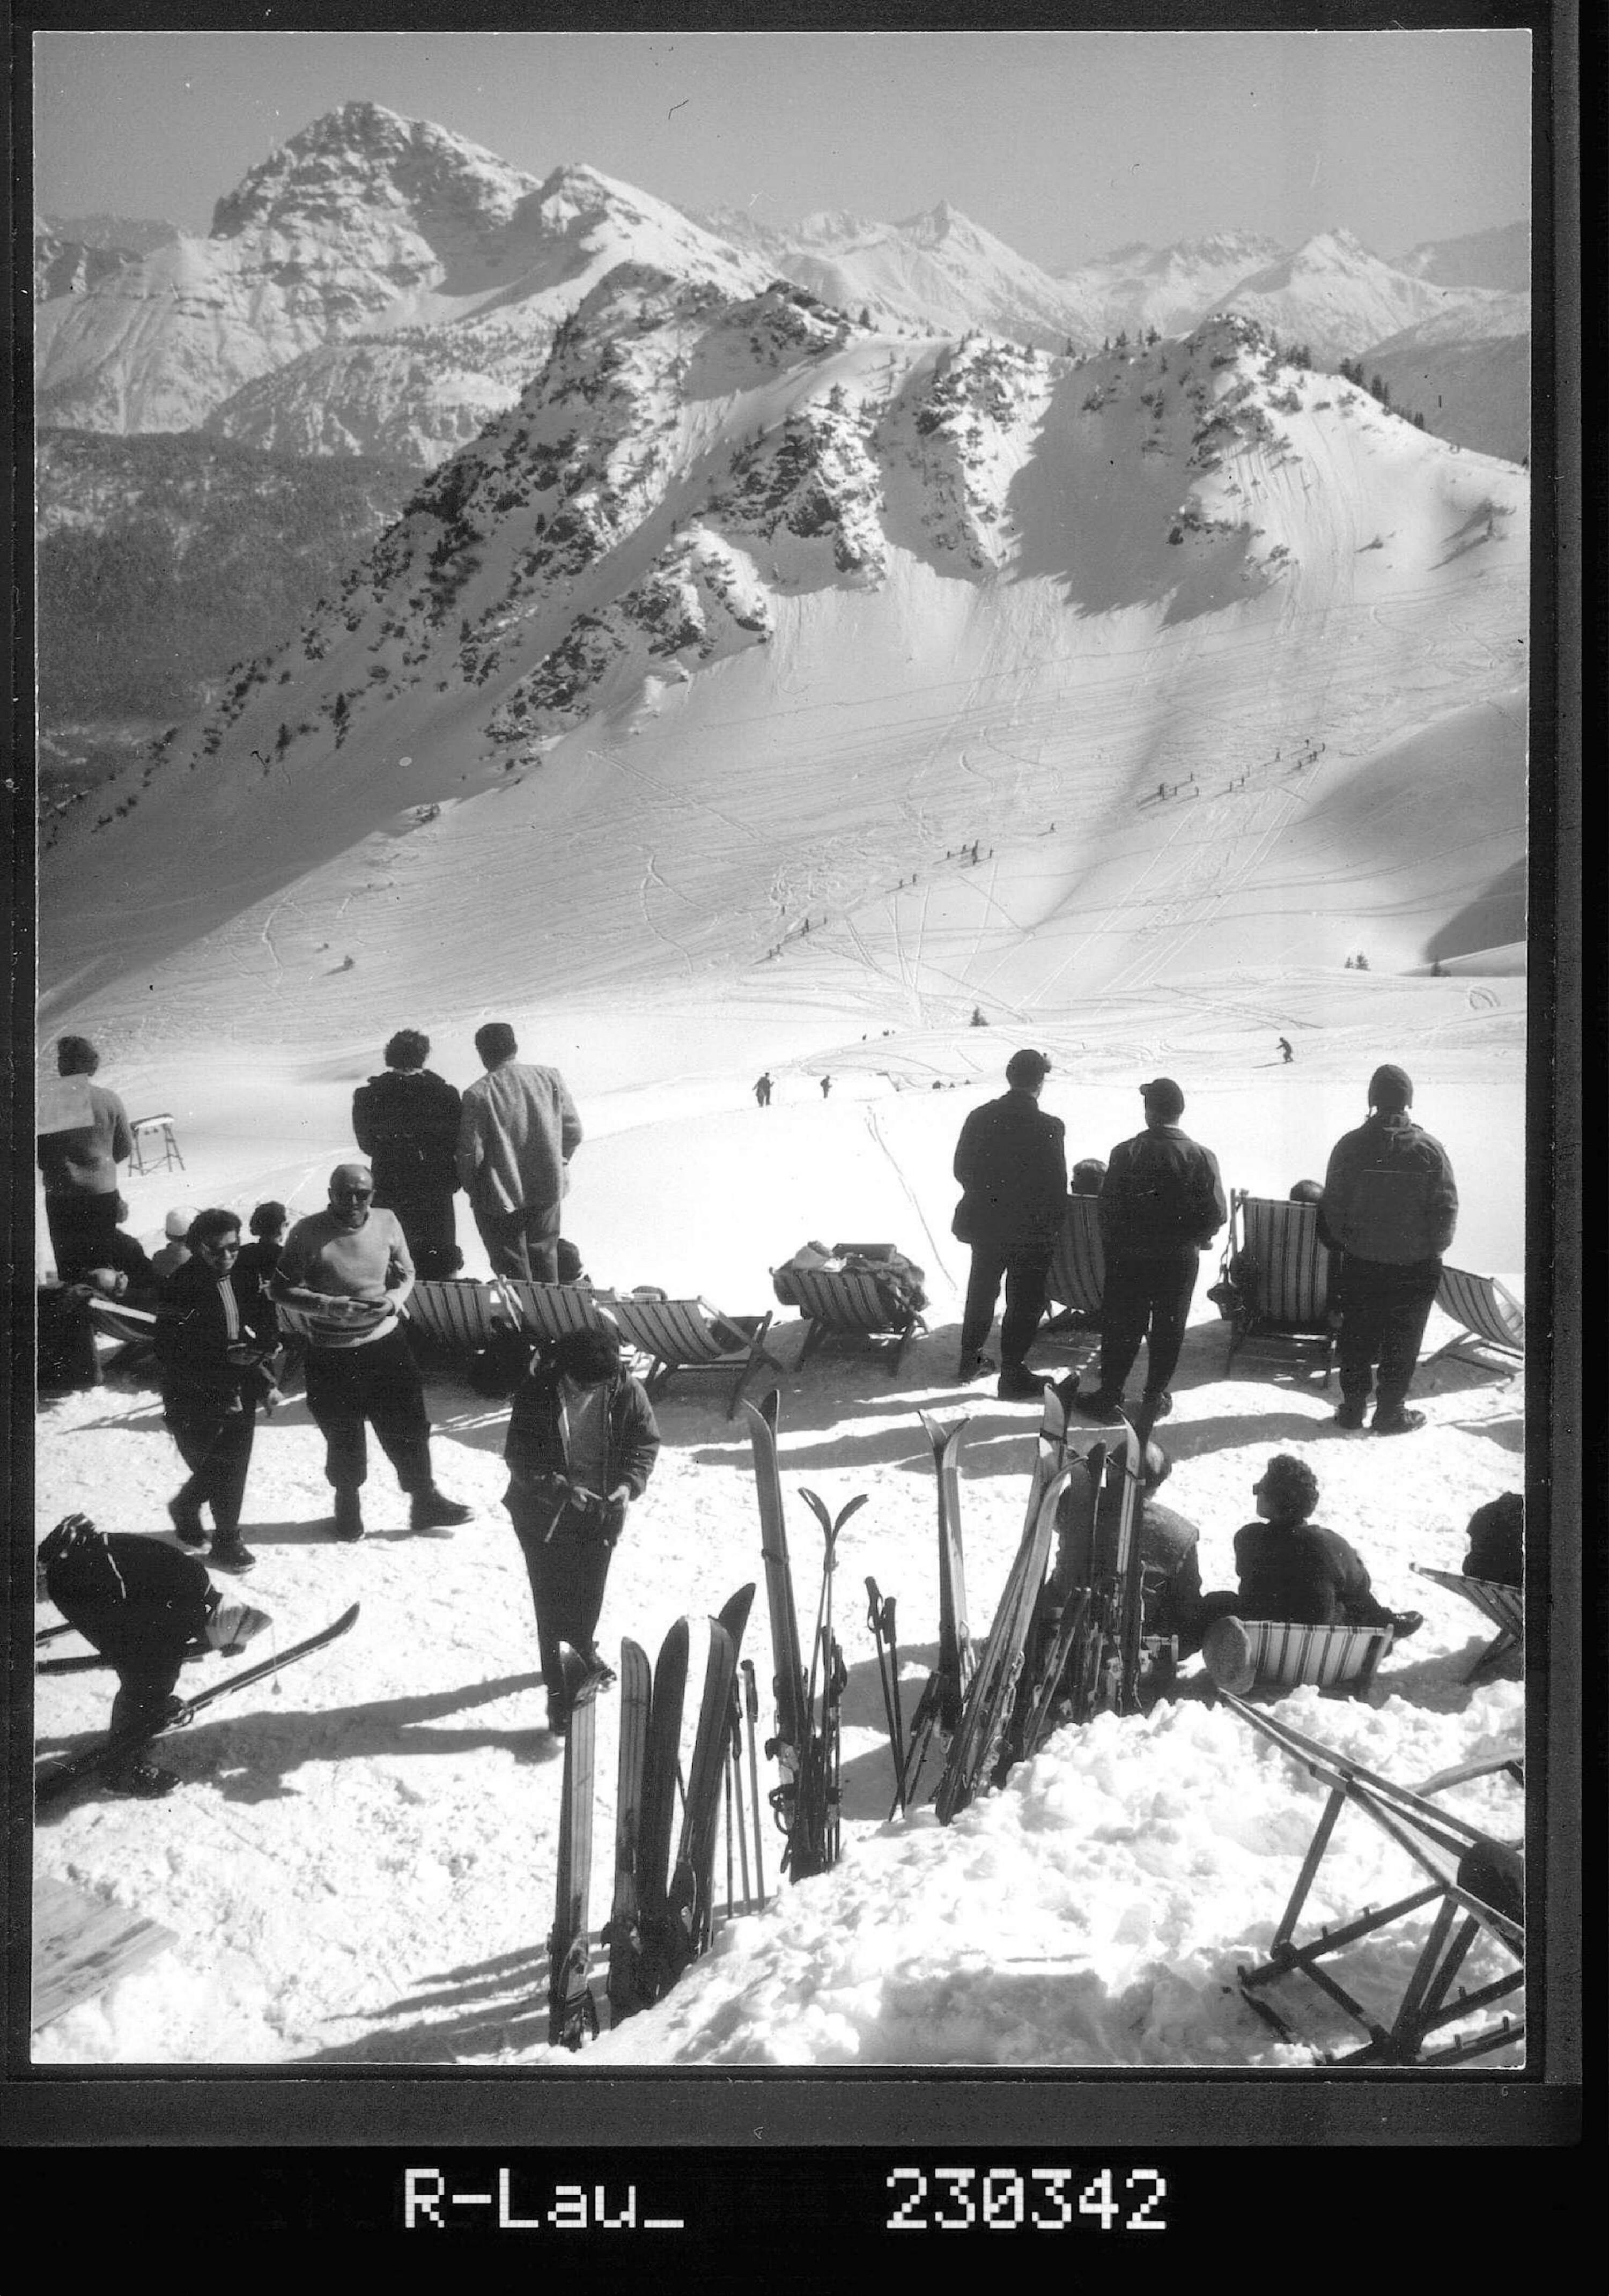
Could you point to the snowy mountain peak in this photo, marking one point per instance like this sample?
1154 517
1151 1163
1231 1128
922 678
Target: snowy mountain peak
362 156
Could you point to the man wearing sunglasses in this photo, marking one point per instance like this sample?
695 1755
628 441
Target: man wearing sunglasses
348 1270
214 1338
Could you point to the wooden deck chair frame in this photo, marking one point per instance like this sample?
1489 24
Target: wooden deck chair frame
1077 1281
1503 1606
1325 1658
549 1310
1435 1840
133 1328
844 1307
458 1319
1489 1316
162 1125
1284 1274
689 1335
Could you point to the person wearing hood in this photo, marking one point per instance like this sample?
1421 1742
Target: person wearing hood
406 1121
1390 1207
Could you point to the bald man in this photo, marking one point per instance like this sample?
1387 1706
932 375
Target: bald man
347 1269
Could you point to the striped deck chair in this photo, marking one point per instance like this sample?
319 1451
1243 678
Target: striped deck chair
1487 1313
457 1319
1332 1658
847 1307
133 1328
689 1335
549 1310
1283 1276
1475 1882
1503 1606
1078 1271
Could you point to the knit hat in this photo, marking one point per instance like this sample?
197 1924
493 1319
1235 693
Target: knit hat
233 1623
1391 1088
175 1227
1164 1098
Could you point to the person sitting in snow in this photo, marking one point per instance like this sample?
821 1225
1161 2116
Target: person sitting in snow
1497 1542
174 1251
145 1607
1290 1567
582 1441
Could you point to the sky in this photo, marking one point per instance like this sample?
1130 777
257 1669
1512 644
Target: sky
1064 144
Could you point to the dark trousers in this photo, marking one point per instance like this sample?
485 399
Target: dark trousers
1024 1268
80 1228
67 1355
431 1228
567 1575
523 1244
1383 1312
1147 1298
378 1383
215 1446
143 1690
1362 1610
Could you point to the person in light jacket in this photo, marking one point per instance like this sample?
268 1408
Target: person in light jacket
516 1136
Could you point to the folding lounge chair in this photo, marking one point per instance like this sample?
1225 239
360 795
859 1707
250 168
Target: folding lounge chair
1078 1271
1281 1272
1504 1606
549 1310
1475 1882
1330 1658
686 1335
847 1305
457 1319
133 1328
1487 1313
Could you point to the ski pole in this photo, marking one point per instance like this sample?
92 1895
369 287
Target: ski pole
734 1787
752 1713
726 1784
888 1628
874 1618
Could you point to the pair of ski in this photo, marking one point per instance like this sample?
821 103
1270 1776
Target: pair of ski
943 1697
809 1741
662 1910
1041 1630
123 1743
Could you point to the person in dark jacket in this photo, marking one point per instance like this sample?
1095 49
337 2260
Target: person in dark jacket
259 1258
82 1205
1011 1161
1162 1203
215 1338
581 1444
407 1122
1497 1542
1289 1568
1390 1207
145 1607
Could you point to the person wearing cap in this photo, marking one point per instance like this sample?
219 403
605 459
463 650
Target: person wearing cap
174 1250
1162 1203
215 1338
1390 1207
406 1121
1291 1568
79 1166
347 1269
146 1608
1011 1161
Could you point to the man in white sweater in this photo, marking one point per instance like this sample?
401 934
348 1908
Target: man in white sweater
517 1134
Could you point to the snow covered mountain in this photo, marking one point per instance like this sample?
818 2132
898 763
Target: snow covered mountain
1169 288
1467 370
746 623
1500 258
1336 297
365 226
65 266
938 272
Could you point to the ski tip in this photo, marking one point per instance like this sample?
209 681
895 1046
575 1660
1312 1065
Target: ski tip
347 1619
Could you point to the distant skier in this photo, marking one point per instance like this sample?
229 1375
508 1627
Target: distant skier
978 1020
1285 1053
762 1091
143 1606
827 1085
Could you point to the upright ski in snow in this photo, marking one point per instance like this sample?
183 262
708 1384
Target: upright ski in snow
834 1674
799 1800
123 1742
689 1913
624 1935
572 2011
989 1700
659 1812
944 1693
